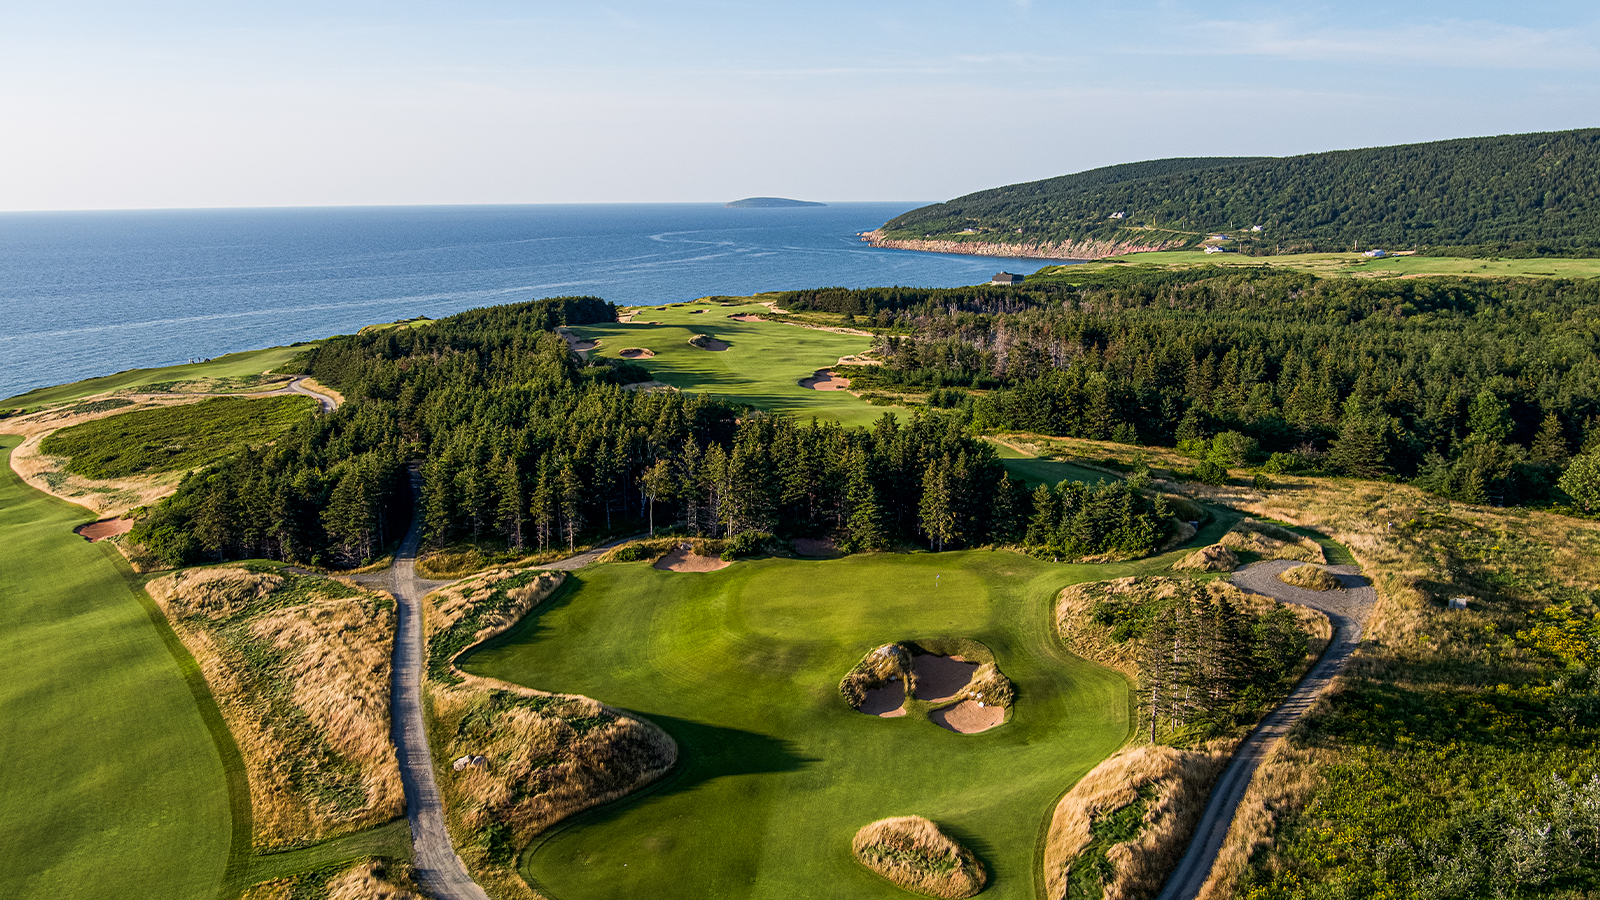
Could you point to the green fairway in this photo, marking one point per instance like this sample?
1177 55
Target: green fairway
763 365
1346 264
1035 471
110 784
233 367
776 773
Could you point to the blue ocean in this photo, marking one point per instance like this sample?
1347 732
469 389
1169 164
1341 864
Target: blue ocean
91 293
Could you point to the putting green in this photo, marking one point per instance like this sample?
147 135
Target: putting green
763 365
1035 471
742 666
110 784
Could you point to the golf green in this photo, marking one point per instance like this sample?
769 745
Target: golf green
776 773
110 784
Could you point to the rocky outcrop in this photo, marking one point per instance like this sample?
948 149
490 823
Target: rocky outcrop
1027 250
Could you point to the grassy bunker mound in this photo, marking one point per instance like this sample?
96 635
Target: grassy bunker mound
955 682
1263 540
1215 558
913 853
1311 577
884 672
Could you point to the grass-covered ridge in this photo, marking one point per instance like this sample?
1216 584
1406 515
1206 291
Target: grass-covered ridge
174 438
1527 194
742 666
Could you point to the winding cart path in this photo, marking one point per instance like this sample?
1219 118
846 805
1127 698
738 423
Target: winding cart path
1347 610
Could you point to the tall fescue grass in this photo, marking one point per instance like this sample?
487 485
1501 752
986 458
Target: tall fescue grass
1176 783
548 756
915 854
1213 558
1268 541
300 668
1311 578
876 669
366 880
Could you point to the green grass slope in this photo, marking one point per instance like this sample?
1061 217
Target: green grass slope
763 365
110 784
173 438
1528 194
777 772
234 371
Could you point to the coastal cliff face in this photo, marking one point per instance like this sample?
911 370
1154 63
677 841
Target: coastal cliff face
1032 250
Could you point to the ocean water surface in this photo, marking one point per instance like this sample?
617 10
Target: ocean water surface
91 293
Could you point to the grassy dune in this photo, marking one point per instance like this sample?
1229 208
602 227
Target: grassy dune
777 772
173 438
233 372
763 365
110 784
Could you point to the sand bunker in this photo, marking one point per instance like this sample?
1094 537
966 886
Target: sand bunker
105 528
636 353
968 717
696 312
707 342
683 560
746 317
887 702
825 380
582 346
940 678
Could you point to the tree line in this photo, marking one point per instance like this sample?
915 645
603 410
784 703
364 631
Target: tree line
1479 390
519 442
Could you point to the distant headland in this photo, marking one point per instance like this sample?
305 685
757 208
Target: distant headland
768 203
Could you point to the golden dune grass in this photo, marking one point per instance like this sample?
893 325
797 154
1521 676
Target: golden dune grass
547 756
1310 577
1269 541
875 670
1180 780
1213 558
332 656
368 880
913 853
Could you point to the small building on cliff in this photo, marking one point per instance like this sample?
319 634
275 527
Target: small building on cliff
1006 278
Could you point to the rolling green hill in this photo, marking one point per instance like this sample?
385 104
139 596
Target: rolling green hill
1513 195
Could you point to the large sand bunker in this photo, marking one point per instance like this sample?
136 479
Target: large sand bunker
636 353
825 380
746 317
887 702
105 528
968 717
707 342
683 559
941 678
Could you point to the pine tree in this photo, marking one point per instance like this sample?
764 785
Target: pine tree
657 484
513 505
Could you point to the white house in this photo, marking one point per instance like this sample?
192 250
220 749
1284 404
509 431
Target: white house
1255 227
1215 250
1375 254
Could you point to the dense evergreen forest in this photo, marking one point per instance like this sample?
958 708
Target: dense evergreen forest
521 442
1478 390
1531 194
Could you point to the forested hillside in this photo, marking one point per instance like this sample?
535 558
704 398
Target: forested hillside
522 443
1478 390
1531 194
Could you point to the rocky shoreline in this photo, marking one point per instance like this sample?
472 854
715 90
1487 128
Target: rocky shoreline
1076 250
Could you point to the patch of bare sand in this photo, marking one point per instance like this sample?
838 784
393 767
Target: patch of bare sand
682 559
817 547
968 717
941 678
105 528
747 317
857 359
825 380
887 702
574 343
637 353
707 342
696 312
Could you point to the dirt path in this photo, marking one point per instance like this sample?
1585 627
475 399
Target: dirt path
588 556
438 869
1347 609
328 403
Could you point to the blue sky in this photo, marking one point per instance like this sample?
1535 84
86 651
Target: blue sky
177 104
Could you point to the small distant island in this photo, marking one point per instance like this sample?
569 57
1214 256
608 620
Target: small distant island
768 203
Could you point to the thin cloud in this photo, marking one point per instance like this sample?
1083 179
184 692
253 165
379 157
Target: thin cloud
1460 44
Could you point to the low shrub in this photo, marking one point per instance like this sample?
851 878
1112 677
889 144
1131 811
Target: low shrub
1310 577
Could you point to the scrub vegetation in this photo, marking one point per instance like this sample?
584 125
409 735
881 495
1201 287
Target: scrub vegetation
174 438
300 667
913 853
